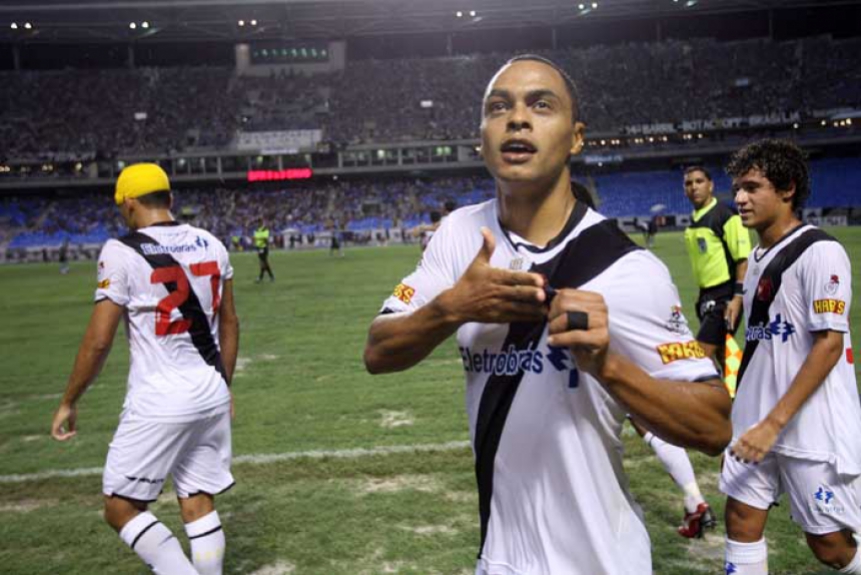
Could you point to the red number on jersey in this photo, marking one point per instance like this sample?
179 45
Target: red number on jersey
174 274
210 269
163 325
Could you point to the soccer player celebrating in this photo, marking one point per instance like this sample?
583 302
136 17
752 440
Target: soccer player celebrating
562 326
796 417
172 284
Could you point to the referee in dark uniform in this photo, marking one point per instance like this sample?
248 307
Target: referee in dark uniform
718 245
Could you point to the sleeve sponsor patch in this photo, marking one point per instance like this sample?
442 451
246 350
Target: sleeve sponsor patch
104 283
829 306
404 293
677 350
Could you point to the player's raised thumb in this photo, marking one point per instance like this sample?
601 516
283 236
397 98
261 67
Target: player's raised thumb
487 246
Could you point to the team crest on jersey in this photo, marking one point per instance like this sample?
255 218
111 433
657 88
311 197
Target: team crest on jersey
404 293
677 323
829 306
833 285
765 289
702 245
676 350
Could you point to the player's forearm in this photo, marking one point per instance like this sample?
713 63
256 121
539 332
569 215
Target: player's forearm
687 414
824 355
88 363
740 270
399 341
228 339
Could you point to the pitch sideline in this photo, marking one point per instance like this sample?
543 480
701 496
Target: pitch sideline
261 459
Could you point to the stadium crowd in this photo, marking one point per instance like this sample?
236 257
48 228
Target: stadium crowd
157 110
364 206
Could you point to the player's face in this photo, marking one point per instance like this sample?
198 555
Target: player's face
698 189
759 203
526 130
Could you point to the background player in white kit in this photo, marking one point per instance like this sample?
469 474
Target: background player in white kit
549 382
796 417
172 284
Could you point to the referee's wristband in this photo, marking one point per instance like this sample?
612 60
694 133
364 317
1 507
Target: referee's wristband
738 289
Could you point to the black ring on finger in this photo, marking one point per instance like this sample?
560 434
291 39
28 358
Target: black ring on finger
577 320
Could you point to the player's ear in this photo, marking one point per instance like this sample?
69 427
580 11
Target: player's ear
788 194
578 138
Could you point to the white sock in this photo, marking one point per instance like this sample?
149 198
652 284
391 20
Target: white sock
854 567
207 544
677 463
156 545
746 558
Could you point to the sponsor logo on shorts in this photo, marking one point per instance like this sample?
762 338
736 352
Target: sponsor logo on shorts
825 502
145 480
676 350
829 306
404 293
772 330
833 284
104 283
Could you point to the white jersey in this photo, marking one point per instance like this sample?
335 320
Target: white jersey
811 287
169 279
553 497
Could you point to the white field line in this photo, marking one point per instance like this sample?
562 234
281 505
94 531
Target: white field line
262 459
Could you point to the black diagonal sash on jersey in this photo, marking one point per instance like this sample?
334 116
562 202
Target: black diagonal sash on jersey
773 276
582 259
200 332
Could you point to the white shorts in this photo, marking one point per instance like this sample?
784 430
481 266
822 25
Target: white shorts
821 501
144 452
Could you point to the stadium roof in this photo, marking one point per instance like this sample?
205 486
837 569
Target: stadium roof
219 20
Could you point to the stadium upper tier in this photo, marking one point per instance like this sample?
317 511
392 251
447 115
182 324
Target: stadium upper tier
157 110
364 205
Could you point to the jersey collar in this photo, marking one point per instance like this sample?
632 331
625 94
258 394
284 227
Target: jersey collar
704 210
577 214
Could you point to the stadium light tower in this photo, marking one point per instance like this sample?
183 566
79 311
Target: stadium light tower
132 25
14 26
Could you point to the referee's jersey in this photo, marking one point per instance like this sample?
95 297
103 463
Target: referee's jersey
716 241
553 497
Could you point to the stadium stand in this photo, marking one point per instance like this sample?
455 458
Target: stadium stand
365 206
93 111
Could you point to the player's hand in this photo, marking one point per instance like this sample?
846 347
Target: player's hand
733 313
588 343
487 294
65 419
754 445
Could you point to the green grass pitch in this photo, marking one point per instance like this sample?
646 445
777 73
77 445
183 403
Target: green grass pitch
300 387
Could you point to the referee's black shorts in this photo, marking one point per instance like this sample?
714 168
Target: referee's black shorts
263 253
711 307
